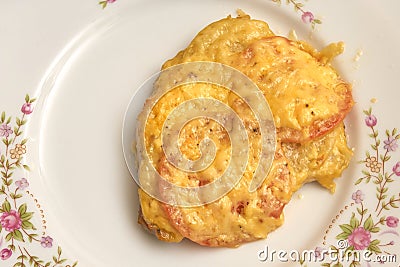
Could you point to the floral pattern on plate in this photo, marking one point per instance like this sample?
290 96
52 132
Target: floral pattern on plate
18 217
306 16
368 234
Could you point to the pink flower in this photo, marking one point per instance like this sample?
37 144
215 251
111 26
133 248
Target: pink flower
46 242
22 184
5 130
396 169
390 144
360 238
371 120
358 196
10 220
307 17
5 253
27 108
111 1
392 221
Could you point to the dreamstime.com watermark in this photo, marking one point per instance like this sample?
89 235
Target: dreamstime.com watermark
340 254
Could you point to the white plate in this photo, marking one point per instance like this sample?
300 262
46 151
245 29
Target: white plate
83 64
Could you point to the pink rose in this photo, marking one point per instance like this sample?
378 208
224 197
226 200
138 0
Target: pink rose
371 120
5 253
307 17
392 221
10 220
27 108
360 238
396 169
111 1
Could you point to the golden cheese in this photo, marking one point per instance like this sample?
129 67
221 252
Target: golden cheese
308 100
322 159
239 216
306 95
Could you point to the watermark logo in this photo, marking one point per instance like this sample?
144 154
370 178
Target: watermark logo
342 253
192 73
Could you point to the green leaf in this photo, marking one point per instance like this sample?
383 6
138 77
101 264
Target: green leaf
375 249
346 228
26 167
6 206
354 222
368 224
384 205
55 259
317 21
12 247
27 216
15 196
22 209
394 205
375 242
362 212
356 263
103 4
31 236
18 236
3 117
27 98
32 100
9 236
358 181
369 111
375 230
27 225
59 251
342 235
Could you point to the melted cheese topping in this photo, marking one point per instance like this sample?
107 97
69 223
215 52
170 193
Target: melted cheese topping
306 95
308 99
322 159
239 216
